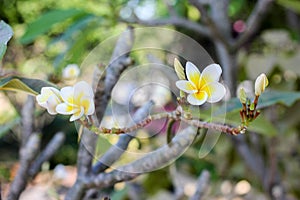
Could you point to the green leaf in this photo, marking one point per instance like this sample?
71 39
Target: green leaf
3 48
291 4
46 21
5 34
30 86
235 6
120 194
278 97
260 125
79 26
267 98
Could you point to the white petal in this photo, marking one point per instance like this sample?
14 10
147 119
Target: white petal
67 94
43 97
83 87
46 93
52 102
77 115
66 109
211 73
192 73
41 100
261 83
88 105
56 93
186 86
91 108
197 98
71 71
216 91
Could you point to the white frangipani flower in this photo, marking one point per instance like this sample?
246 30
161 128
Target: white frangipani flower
78 101
49 99
71 72
204 86
261 83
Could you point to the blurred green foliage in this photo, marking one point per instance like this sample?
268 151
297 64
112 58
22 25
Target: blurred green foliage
5 34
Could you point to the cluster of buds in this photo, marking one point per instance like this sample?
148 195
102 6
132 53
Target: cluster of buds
249 111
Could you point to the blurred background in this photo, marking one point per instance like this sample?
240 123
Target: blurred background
50 34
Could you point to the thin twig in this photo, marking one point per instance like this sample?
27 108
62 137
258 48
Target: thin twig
172 115
202 185
171 8
176 182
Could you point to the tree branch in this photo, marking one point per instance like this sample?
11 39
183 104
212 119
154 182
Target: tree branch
152 161
27 155
217 29
47 153
228 62
254 162
27 114
119 62
115 152
178 186
253 22
202 185
219 15
175 21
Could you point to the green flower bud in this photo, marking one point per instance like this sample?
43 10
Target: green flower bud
242 95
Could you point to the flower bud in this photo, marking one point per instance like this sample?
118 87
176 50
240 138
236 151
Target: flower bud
242 95
260 84
71 72
252 106
179 69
